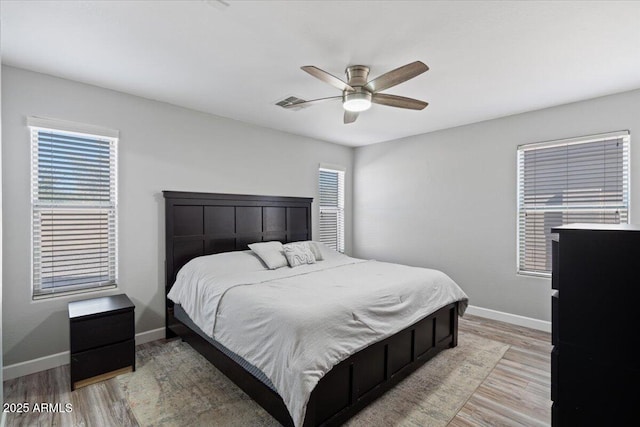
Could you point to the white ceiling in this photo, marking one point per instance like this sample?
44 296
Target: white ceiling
487 59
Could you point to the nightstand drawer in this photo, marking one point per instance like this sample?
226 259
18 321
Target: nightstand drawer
98 331
101 360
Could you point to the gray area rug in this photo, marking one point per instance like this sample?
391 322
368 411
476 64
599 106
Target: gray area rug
175 386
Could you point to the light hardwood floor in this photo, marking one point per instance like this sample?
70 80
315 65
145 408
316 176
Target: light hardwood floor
516 392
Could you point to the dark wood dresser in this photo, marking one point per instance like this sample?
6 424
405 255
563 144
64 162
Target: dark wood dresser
595 373
102 337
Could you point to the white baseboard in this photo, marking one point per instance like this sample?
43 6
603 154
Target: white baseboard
148 336
514 319
35 365
54 360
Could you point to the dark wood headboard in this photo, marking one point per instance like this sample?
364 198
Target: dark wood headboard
208 223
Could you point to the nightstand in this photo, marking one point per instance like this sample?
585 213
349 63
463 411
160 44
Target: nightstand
102 337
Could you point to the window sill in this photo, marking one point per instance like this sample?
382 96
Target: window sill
534 274
72 292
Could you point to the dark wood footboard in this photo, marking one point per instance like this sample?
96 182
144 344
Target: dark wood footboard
357 381
353 383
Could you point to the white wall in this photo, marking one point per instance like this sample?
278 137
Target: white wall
162 147
447 199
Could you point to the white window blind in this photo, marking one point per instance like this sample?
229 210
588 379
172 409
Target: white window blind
74 211
331 201
582 180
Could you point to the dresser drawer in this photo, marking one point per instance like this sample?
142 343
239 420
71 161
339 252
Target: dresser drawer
554 373
555 318
101 360
555 264
101 330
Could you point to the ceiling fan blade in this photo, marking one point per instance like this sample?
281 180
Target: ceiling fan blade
326 77
310 102
398 101
350 117
397 76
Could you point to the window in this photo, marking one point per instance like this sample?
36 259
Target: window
331 189
74 208
581 180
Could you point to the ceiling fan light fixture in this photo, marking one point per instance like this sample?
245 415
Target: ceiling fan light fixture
356 101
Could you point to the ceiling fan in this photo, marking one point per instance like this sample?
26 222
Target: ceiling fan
358 93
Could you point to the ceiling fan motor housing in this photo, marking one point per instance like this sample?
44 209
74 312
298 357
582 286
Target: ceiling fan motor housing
359 99
357 75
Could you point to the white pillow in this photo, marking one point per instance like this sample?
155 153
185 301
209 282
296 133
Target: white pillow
315 248
299 253
271 253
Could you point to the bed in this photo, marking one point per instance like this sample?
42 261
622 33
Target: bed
328 370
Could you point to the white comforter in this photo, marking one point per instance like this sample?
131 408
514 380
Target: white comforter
295 324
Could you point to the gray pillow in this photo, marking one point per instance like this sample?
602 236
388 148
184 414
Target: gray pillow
271 253
298 253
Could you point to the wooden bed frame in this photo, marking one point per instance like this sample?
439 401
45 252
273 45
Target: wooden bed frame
204 223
